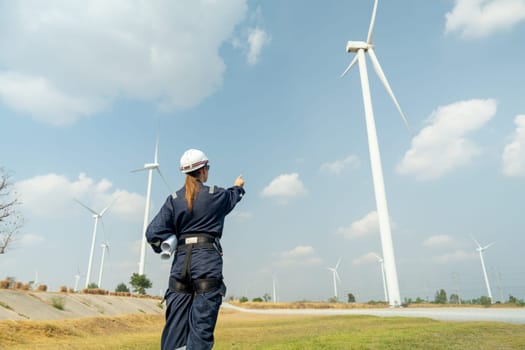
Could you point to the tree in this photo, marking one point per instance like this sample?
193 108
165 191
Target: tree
139 283
267 297
333 300
122 288
92 285
10 218
485 301
441 297
454 299
257 300
351 298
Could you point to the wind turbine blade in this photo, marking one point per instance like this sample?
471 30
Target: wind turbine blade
350 66
156 149
488 245
164 179
103 230
85 206
372 22
337 276
382 77
477 243
137 170
338 262
378 257
109 206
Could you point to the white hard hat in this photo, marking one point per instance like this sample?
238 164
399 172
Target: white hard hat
192 160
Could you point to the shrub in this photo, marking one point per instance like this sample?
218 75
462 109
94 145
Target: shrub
122 288
58 302
63 289
42 288
485 301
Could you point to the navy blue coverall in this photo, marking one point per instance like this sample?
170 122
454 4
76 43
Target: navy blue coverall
191 316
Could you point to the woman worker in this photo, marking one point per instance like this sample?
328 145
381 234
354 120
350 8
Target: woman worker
195 215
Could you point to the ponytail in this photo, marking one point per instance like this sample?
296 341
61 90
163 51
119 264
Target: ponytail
192 188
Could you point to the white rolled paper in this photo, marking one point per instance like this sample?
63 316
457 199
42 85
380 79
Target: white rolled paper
167 247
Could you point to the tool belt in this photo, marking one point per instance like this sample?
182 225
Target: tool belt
185 284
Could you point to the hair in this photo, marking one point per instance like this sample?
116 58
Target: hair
192 186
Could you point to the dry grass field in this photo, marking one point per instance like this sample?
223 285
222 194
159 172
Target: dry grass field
237 330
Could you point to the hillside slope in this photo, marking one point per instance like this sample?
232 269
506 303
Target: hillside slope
19 305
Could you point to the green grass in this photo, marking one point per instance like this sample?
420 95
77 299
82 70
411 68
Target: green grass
251 331
363 332
58 302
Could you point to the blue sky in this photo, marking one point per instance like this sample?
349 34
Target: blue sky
85 90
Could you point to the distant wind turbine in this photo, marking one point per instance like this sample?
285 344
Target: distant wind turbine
105 247
360 48
274 280
149 167
335 276
481 250
97 217
77 279
382 262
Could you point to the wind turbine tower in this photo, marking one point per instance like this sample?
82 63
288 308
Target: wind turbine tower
105 247
97 217
335 276
382 262
360 48
77 279
149 167
481 250
274 280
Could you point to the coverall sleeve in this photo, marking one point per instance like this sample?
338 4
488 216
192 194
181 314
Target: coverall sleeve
234 194
161 227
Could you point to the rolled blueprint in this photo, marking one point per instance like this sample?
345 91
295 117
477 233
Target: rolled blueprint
167 247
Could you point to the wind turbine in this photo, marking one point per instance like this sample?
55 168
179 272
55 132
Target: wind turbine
77 279
149 167
274 280
480 250
97 217
335 276
105 247
360 48
382 262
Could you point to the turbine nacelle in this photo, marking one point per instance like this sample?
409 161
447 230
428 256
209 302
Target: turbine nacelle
151 166
354 46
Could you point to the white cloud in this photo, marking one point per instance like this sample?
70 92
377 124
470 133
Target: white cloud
442 146
336 167
438 241
78 57
299 256
38 97
456 256
242 215
366 225
514 152
29 239
52 195
285 186
481 18
366 259
256 40
298 251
